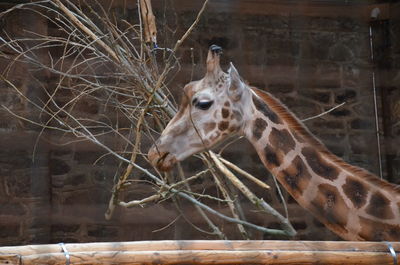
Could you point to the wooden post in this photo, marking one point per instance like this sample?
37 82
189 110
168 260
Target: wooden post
148 21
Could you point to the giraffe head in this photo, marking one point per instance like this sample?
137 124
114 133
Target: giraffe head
210 111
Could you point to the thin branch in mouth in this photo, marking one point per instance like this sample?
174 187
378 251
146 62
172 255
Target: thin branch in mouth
162 158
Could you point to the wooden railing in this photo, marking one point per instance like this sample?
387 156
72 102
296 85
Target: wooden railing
205 252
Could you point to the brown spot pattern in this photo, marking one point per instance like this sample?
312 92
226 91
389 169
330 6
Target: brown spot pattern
264 109
330 206
282 140
227 104
318 165
298 137
356 192
296 176
209 126
223 125
225 113
259 126
271 157
377 231
379 206
233 128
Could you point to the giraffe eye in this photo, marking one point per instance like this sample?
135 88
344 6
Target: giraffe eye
203 105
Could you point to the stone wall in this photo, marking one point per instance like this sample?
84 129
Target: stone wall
311 61
392 96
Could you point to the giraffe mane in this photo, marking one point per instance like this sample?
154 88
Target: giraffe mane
297 126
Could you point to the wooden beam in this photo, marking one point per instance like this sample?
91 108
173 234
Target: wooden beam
205 252
148 21
8 259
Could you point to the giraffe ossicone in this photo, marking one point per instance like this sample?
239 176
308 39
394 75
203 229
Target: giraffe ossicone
348 200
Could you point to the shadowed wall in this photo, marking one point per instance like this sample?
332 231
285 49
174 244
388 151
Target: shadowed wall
311 56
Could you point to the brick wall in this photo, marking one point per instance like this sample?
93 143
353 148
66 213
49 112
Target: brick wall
308 56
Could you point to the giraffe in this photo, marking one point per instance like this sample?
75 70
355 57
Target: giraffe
351 202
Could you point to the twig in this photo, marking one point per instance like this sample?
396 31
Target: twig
244 173
288 229
214 228
323 113
109 69
141 202
86 30
230 202
187 33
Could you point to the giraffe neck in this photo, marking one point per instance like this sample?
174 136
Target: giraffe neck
350 201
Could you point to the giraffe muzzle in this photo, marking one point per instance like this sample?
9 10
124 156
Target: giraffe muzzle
163 161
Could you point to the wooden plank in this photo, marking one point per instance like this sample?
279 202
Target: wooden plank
205 245
9 259
214 257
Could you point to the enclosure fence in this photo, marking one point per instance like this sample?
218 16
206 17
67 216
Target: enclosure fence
206 252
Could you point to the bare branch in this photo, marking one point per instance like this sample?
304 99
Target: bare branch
324 113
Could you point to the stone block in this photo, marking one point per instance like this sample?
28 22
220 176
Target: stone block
12 208
363 124
340 53
64 228
86 157
364 107
327 70
316 45
280 88
331 138
337 149
76 179
357 42
326 124
352 24
38 235
347 96
323 23
39 218
255 57
83 197
311 75
18 185
55 239
368 162
281 48
323 97
363 144
10 230
58 167
340 113
102 231
302 108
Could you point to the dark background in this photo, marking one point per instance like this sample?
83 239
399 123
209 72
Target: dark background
312 55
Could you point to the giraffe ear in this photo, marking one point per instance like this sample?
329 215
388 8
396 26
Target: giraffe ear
237 86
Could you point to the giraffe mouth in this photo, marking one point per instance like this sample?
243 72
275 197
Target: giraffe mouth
163 161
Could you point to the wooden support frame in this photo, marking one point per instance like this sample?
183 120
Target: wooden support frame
205 252
148 21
